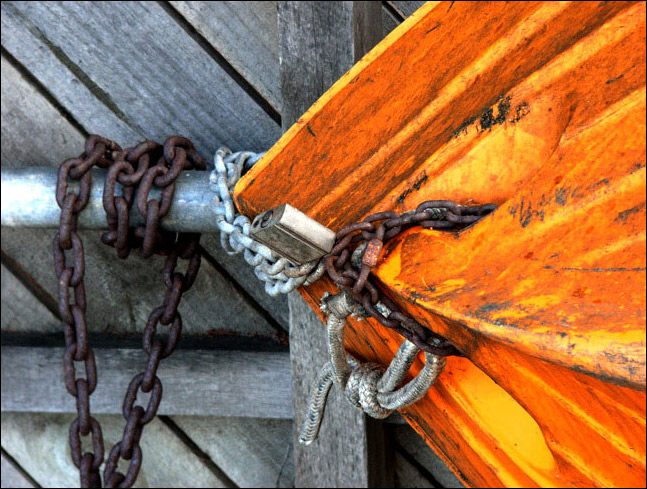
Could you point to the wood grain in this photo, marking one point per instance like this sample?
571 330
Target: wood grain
39 443
120 293
245 34
156 81
12 475
229 383
253 452
544 296
21 311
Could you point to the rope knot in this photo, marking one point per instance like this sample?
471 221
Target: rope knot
367 386
362 389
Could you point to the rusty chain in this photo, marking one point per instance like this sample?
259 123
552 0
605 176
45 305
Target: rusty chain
358 247
140 168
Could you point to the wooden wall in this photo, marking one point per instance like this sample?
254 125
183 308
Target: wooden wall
132 71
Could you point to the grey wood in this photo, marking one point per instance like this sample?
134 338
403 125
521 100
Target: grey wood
245 34
389 22
407 475
407 8
128 71
121 293
132 58
21 311
319 42
196 382
39 443
12 476
418 451
253 452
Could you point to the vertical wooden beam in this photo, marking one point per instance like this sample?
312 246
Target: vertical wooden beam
319 42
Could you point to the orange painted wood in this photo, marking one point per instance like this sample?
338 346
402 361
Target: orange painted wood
540 108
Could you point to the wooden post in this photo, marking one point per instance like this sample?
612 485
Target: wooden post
319 42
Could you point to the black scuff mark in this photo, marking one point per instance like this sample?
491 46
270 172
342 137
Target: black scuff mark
521 111
604 181
578 269
636 167
624 215
438 24
527 213
450 6
463 127
310 130
613 80
487 118
561 195
415 187
493 306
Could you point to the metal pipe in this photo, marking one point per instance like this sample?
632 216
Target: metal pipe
28 200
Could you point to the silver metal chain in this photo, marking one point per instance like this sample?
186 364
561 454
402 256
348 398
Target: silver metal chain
367 386
278 274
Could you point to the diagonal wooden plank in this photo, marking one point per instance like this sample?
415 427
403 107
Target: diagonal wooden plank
129 71
407 8
21 311
136 61
120 293
245 34
39 443
238 444
13 475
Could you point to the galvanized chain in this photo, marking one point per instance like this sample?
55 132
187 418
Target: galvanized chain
358 248
278 274
145 166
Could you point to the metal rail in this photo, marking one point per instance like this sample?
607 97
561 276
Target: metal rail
28 200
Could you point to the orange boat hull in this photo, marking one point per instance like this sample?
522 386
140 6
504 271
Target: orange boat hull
540 108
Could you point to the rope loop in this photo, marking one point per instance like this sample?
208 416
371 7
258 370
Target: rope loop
367 386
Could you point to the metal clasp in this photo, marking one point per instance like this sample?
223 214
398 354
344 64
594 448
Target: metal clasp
292 234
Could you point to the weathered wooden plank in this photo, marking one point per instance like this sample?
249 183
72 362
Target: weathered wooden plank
171 85
317 45
196 382
240 444
21 311
12 475
39 443
407 8
407 475
318 42
120 293
81 54
245 34
417 451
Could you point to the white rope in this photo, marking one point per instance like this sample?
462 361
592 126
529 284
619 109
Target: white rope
367 386
279 275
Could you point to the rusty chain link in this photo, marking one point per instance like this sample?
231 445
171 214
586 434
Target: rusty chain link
358 248
140 168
